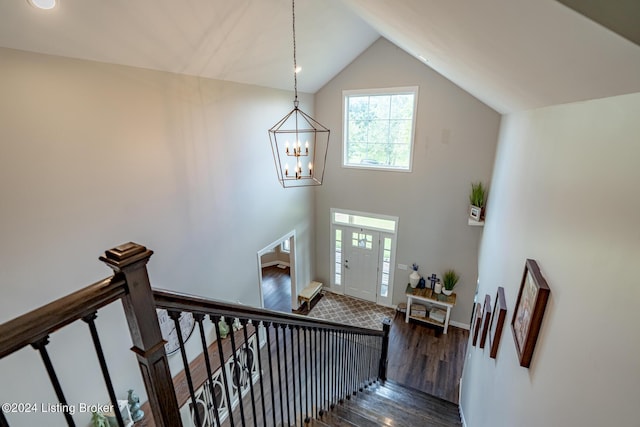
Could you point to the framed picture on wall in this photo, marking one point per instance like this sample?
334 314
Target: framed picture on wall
477 321
529 310
486 318
475 213
497 322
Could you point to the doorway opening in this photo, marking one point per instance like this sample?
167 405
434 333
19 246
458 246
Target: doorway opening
276 274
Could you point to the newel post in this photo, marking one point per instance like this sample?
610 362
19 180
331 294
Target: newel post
130 261
384 353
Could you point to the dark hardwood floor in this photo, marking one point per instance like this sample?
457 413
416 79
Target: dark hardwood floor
422 358
276 288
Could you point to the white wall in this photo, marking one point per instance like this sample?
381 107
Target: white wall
564 192
455 144
94 155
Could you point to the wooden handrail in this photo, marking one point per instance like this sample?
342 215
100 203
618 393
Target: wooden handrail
171 300
37 324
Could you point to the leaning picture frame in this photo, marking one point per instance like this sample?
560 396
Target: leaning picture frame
475 213
477 321
529 311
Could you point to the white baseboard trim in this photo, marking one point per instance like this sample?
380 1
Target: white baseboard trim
460 325
464 422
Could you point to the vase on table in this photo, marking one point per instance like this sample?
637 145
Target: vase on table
437 288
414 278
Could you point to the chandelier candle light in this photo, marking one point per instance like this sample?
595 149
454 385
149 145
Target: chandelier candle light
299 140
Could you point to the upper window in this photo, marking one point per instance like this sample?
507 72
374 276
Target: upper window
378 128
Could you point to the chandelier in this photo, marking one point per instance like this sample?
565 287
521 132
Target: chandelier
298 141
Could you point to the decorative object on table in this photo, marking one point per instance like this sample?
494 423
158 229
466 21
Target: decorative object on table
223 328
449 280
477 320
298 140
422 283
497 321
437 288
529 311
169 332
437 314
134 406
418 310
125 414
414 277
98 419
237 325
486 319
433 279
477 199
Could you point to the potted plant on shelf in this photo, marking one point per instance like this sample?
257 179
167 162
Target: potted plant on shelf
477 199
449 280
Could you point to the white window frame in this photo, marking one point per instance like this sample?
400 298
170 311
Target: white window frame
383 232
372 92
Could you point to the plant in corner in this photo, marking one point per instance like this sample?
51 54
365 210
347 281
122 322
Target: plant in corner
449 280
477 199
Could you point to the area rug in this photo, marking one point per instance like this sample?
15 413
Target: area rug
351 311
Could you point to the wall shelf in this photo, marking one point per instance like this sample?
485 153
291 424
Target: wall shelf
473 222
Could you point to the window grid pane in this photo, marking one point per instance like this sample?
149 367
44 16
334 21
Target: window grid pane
378 130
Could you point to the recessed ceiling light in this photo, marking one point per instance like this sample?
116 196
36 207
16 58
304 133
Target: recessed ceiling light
43 4
422 58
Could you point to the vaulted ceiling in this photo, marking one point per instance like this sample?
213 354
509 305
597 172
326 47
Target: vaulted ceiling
511 54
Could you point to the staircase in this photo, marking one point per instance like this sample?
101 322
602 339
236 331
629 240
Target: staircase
391 404
272 369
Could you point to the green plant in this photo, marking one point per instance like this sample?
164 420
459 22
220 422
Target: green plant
478 194
449 279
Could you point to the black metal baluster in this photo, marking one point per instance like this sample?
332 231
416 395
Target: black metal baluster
236 370
267 326
327 371
361 359
215 319
41 346
345 361
293 376
244 322
370 347
332 337
277 327
175 316
286 372
3 420
198 317
299 374
351 364
316 369
339 368
306 375
264 408
90 320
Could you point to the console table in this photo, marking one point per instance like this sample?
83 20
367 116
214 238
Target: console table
430 298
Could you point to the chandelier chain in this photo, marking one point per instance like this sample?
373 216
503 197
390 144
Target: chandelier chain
295 64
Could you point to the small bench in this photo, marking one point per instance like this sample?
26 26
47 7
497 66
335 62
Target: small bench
309 293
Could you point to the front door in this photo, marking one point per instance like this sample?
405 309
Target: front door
361 263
